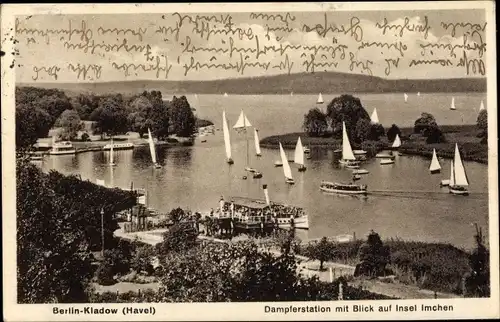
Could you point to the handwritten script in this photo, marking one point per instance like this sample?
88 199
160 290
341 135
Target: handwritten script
178 46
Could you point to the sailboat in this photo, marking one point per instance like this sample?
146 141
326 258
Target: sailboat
435 166
243 123
348 157
397 142
452 107
320 99
227 140
257 143
458 179
152 149
418 94
481 108
286 167
406 97
225 95
374 117
291 93
112 155
299 155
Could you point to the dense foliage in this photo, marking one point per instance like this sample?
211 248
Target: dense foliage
482 125
392 132
322 251
348 109
477 281
38 109
426 126
58 224
315 122
373 256
71 123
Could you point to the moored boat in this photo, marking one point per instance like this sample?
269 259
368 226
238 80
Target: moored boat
257 175
278 163
360 171
343 188
62 148
386 161
356 177
250 169
119 146
385 156
307 150
359 152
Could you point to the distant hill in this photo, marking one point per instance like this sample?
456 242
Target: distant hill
302 83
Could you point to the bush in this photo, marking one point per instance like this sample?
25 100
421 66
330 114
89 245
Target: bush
85 137
104 274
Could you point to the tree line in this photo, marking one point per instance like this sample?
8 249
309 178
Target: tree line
38 110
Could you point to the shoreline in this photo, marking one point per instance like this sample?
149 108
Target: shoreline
462 134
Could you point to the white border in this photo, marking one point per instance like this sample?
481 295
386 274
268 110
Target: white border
463 308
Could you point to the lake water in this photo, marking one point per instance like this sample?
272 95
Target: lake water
196 177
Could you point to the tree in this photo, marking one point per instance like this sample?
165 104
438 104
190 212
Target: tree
425 121
179 237
53 257
140 109
141 261
434 135
85 104
363 130
182 119
376 131
348 109
477 282
315 123
110 116
322 251
392 132
482 125
373 256
71 124
31 123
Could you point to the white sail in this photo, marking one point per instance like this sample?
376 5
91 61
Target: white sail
227 140
397 142
286 167
460 178
320 99
418 94
299 153
435 162
452 107
291 94
481 108
374 117
111 154
406 97
257 143
347 153
152 147
452 175
225 95
242 121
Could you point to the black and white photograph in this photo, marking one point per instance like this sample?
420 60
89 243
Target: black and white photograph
310 160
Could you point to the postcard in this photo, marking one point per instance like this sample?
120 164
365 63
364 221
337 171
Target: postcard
241 161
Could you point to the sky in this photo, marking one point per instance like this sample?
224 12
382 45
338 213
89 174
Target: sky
176 46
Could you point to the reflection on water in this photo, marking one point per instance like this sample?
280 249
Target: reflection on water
196 177
406 201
